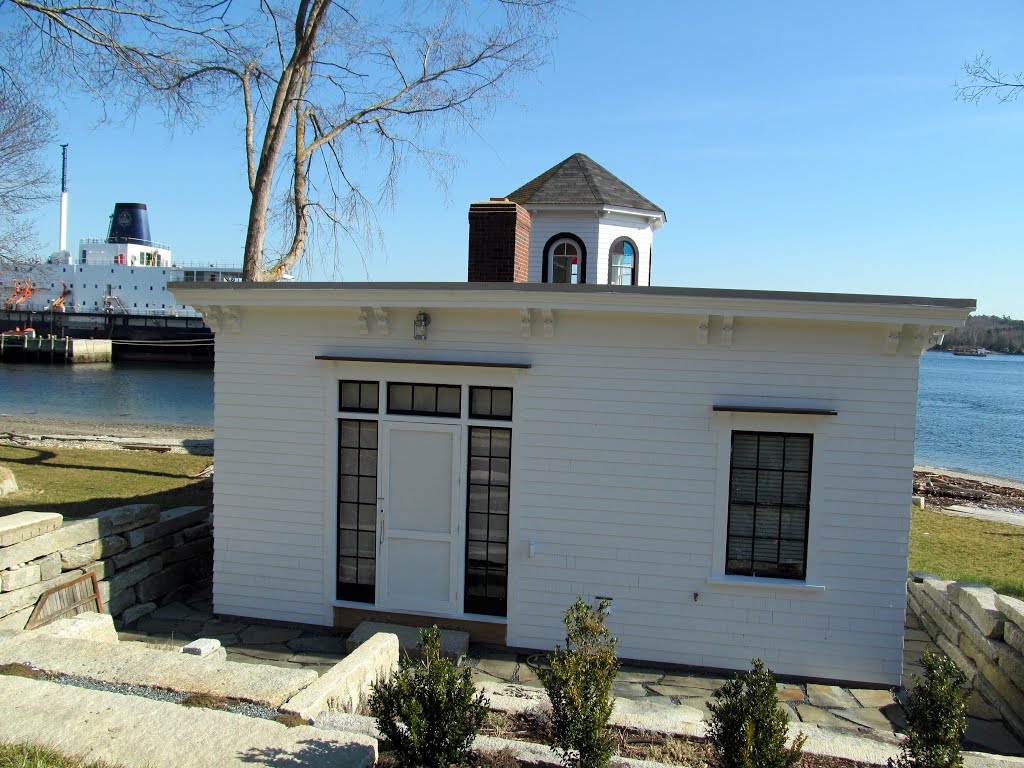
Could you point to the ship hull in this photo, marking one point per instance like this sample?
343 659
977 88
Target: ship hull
135 337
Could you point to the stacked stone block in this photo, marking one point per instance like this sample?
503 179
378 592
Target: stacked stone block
982 632
141 555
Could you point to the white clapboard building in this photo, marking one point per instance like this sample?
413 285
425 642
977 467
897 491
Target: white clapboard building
732 468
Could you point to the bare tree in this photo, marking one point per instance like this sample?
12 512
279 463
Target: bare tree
24 132
984 80
335 98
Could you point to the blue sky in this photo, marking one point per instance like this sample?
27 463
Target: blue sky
794 146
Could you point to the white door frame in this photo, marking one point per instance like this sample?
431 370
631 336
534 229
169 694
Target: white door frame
385 533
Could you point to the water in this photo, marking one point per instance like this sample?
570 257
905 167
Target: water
970 414
107 392
970 409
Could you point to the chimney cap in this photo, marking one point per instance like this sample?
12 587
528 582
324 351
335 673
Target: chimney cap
500 200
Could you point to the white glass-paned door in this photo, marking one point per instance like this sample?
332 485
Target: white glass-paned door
418 569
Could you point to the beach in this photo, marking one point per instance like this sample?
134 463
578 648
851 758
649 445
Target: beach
70 433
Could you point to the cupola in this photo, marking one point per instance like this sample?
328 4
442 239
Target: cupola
575 223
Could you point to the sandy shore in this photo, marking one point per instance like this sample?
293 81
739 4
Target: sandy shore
28 425
986 479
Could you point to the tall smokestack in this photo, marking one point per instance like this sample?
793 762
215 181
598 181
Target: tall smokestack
64 198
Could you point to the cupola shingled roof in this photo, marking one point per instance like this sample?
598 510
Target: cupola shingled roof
578 180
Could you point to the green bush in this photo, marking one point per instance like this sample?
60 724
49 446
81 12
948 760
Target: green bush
429 711
579 684
936 717
748 730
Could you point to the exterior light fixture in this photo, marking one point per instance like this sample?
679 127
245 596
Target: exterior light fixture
419 326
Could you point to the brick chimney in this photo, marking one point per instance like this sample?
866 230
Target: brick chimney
499 242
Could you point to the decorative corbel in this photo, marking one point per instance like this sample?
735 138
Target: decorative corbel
210 316
525 327
363 321
926 337
702 329
727 330
383 320
220 319
549 323
892 340
230 320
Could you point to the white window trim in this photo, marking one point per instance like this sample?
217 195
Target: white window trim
416 374
634 267
724 424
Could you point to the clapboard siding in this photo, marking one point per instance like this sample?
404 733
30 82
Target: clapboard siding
617 469
544 226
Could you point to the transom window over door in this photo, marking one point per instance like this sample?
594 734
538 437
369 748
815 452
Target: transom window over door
769 504
622 263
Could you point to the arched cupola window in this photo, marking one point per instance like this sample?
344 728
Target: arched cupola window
622 266
565 260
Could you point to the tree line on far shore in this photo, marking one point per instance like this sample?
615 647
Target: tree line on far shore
996 334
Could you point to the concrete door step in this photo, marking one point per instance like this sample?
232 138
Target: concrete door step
137 664
454 643
132 731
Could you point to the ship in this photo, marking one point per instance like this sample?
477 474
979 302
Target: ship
970 352
113 288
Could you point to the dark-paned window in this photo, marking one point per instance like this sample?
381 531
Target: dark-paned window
490 403
769 497
425 399
490 451
359 396
357 509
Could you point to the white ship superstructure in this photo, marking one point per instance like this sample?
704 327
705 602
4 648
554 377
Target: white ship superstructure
124 273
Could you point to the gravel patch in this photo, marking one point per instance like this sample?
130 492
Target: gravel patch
160 694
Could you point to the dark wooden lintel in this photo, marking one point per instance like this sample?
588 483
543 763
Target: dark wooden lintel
771 409
407 361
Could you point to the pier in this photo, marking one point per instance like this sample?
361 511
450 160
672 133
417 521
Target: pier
55 350
149 337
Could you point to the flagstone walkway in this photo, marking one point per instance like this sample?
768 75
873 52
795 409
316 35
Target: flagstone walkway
865 710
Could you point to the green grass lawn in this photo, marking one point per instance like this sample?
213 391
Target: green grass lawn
81 481
963 549
33 756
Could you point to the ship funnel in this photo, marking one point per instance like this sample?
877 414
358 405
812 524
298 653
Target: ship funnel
63 241
129 224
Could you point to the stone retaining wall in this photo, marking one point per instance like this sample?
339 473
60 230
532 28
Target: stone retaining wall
347 685
140 555
982 632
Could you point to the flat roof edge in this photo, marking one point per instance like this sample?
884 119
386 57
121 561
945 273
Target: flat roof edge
548 288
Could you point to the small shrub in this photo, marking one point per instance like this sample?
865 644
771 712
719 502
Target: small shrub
579 684
747 729
936 717
429 711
